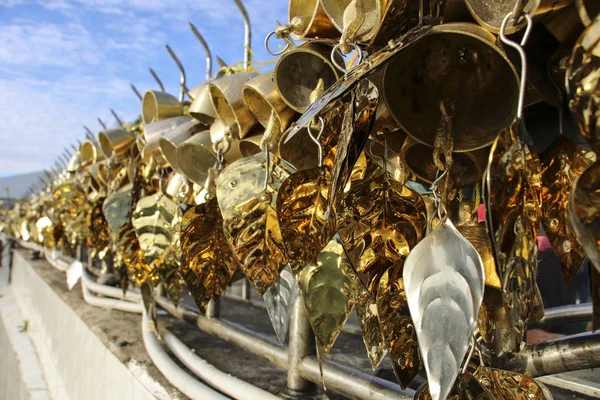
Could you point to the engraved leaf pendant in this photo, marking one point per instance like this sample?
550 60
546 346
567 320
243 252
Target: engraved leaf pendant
301 207
397 326
250 218
562 164
367 313
379 222
329 288
132 255
208 262
279 300
444 280
156 221
117 208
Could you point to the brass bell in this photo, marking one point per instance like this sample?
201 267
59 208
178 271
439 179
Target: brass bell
261 97
226 97
301 70
155 130
168 143
115 142
458 64
490 13
90 153
159 105
250 146
466 170
195 157
373 15
202 108
309 20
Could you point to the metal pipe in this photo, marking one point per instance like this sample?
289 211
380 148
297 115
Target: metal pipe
137 93
570 353
302 344
182 88
157 79
181 380
226 383
206 50
247 34
121 305
109 290
561 315
345 381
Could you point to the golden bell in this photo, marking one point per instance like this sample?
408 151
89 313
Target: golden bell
178 188
116 142
74 162
467 167
309 20
299 71
261 97
89 153
490 13
168 143
226 97
202 108
159 105
155 130
250 146
195 156
458 65
335 11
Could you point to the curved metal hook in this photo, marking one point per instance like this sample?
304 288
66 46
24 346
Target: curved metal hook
182 88
315 139
157 79
135 91
119 120
519 48
102 124
206 50
247 34
221 62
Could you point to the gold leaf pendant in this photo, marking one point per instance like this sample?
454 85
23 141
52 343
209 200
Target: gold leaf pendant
368 317
208 262
247 194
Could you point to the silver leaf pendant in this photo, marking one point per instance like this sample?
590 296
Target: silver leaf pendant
280 299
444 280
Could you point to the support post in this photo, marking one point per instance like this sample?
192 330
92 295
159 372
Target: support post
246 289
301 345
213 309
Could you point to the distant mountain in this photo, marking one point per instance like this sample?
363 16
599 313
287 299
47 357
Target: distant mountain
18 184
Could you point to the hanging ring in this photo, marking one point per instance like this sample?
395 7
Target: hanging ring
286 39
316 139
338 49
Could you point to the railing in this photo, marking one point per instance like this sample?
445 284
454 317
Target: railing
299 359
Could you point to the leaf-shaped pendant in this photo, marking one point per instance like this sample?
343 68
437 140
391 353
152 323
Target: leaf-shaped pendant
165 270
208 262
465 388
156 221
379 221
279 300
358 120
397 326
585 212
368 317
250 218
301 207
444 279
117 208
132 255
329 289
562 163
99 237
512 191
509 385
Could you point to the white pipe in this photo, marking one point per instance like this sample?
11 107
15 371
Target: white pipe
104 302
230 385
109 290
178 378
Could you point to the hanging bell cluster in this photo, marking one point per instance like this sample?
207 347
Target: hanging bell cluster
353 175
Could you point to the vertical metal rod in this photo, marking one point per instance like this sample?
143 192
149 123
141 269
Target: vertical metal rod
246 289
301 345
247 34
206 50
213 309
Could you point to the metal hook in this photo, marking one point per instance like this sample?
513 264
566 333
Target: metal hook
385 153
468 360
247 34
102 124
120 122
88 131
157 79
267 165
182 87
75 148
519 48
221 62
137 93
316 139
338 48
276 53
206 50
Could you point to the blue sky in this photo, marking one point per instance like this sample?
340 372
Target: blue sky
64 63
